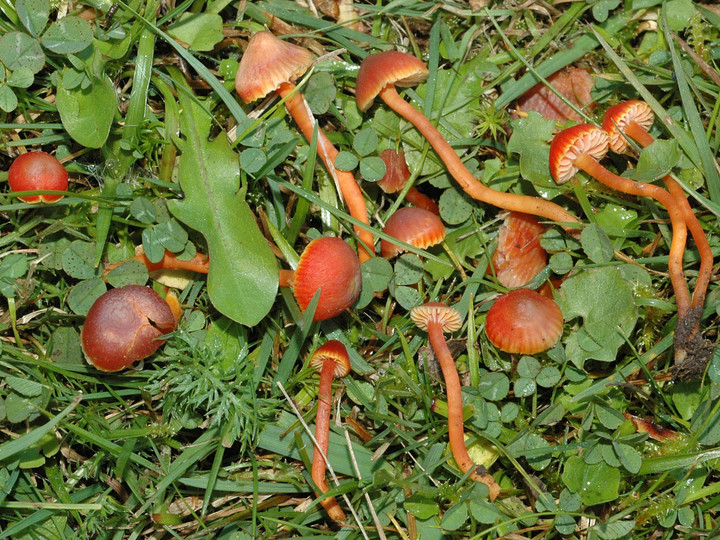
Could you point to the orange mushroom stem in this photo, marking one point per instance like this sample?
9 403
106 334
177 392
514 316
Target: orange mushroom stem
379 74
200 263
633 118
436 318
271 64
332 360
396 176
579 148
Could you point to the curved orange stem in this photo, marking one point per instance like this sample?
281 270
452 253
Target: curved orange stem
637 132
419 199
344 180
456 430
457 169
677 219
200 263
322 436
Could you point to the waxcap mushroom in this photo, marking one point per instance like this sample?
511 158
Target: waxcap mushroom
389 67
267 63
449 317
33 171
618 118
415 226
518 257
524 321
573 142
334 351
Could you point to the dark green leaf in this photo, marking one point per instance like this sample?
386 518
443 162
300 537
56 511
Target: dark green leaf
34 14
199 31
68 35
595 484
87 114
20 50
83 295
346 161
365 142
372 168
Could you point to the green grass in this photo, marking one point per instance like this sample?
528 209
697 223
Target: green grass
210 437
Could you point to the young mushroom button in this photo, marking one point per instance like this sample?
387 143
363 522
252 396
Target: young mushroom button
379 74
332 360
271 64
436 318
35 171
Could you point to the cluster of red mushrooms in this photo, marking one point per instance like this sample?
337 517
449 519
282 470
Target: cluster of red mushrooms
128 324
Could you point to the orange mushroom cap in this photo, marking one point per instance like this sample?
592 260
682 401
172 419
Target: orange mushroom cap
573 142
415 226
267 63
396 171
518 257
33 171
437 312
618 117
330 265
381 69
524 322
334 351
124 325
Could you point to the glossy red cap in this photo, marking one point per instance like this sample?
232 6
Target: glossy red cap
330 265
415 226
123 327
35 171
524 322
573 142
267 63
381 69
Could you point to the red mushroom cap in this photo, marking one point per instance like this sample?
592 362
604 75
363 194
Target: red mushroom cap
334 351
381 69
267 63
617 118
35 171
573 142
396 171
438 312
524 322
415 226
328 264
124 325
519 257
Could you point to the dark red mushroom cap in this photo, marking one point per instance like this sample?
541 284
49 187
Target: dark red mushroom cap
333 351
436 312
415 226
330 265
524 322
381 69
267 63
573 142
618 117
37 171
124 325
518 257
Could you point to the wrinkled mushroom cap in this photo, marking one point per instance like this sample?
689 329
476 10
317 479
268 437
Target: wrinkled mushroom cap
267 63
524 322
333 351
381 69
437 312
573 142
618 117
330 265
415 226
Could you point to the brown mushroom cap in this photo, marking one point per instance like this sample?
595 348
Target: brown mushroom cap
618 117
524 322
330 265
573 142
124 325
415 226
333 350
447 316
267 63
381 69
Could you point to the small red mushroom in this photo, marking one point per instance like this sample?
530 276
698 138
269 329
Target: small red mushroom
397 175
579 148
330 265
332 360
271 64
34 171
436 318
379 74
415 226
124 326
518 257
523 321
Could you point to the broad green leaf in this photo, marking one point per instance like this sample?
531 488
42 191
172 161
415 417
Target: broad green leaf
13 266
494 386
528 445
66 347
656 160
243 278
320 92
596 244
34 14
83 295
143 210
454 207
77 260
408 269
8 99
68 35
131 272
455 517
529 141
614 530
421 506
595 484
372 168
21 78
87 114
199 31
346 161
376 274
365 142
20 50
